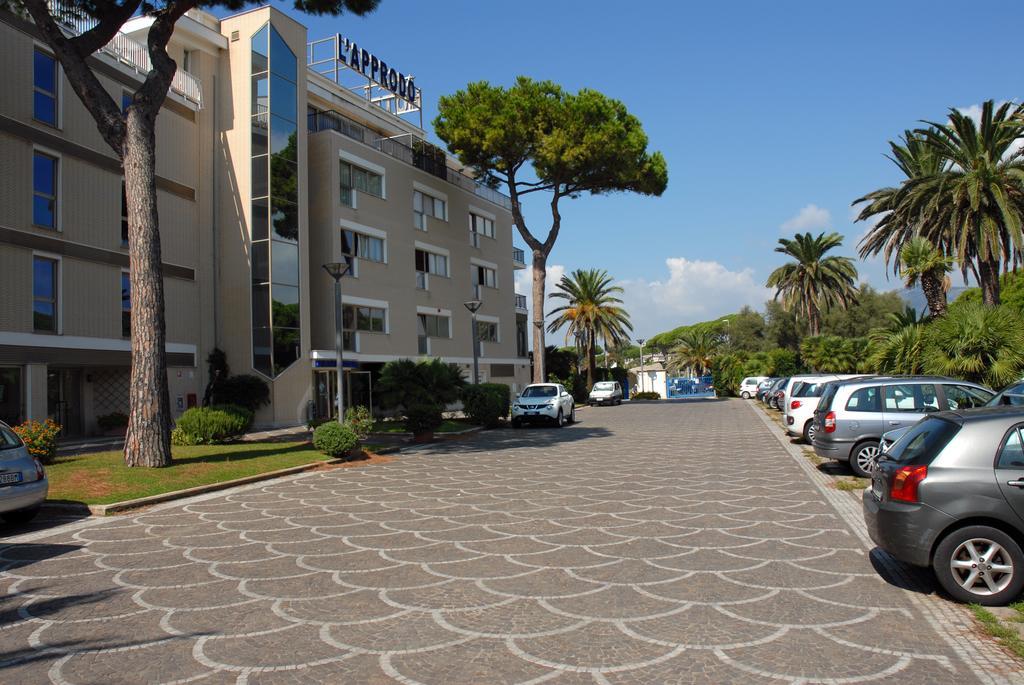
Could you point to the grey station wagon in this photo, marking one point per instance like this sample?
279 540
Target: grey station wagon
852 415
949 494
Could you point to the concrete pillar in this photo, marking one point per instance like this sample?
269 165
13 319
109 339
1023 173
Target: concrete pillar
35 391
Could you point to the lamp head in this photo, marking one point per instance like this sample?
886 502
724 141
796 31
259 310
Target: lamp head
336 269
641 341
473 305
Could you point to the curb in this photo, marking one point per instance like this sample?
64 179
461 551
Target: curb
405 434
988 662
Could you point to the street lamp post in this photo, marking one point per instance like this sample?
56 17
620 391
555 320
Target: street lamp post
641 341
473 306
336 270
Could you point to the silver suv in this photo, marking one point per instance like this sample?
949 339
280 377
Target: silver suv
852 415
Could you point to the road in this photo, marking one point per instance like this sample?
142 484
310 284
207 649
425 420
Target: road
653 543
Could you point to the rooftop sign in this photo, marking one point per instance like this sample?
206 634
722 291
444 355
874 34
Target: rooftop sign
375 69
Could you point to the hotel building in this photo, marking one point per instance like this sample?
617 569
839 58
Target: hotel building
276 154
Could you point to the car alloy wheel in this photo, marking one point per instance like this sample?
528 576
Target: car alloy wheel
809 431
572 414
863 459
560 421
980 564
745 395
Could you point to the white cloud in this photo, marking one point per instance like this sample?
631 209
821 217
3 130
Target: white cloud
694 290
812 217
524 282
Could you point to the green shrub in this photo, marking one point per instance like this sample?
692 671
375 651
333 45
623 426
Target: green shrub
405 383
486 404
213 425
423 418
360 420
646 396
250 392
335 439
40 438
181 439
112 420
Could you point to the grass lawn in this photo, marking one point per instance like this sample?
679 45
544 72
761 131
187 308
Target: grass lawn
102 477
447 426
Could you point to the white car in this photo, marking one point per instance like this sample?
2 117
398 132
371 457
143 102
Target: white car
802 399
605 392
544 402
748 387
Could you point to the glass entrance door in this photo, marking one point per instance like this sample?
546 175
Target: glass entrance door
64 399
358 391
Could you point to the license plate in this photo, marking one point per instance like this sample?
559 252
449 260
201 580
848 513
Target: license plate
10 478
531 413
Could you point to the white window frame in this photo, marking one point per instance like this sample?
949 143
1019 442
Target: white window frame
368 231
437 251
475 263
486 318
475 211
59 309
58 201
434 194
58 90
365 165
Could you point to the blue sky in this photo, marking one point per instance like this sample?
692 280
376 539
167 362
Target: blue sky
769 114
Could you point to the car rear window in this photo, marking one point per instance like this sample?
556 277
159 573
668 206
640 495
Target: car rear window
827 394
1012 396
923 441
811 389
8 439
604 386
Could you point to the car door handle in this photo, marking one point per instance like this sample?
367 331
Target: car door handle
1015 483
895 423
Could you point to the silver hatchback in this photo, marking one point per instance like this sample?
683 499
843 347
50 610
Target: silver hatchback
949 494
23 483
852 415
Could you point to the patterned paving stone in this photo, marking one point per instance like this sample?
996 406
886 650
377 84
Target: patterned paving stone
537 556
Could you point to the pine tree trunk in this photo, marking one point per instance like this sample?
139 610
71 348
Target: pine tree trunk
540 272
935 294
988 279
148 441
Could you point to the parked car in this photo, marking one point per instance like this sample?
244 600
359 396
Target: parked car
802 400
544 402
1011 395
852 415
778 394
23 482
605 392
748 386
772 395
766 397
949 494
763 386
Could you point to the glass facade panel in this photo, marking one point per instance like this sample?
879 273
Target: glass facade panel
44 294
44 101
275 213
44 190
126 305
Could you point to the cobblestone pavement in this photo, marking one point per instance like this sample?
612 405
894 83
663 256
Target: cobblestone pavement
657 543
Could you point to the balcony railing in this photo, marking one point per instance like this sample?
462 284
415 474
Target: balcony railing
518 256
420 154
128 52
520 301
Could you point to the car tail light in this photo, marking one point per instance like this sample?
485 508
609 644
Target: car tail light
795 404
905 481
40 473
830 422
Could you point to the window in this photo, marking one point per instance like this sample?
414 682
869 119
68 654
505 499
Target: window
44 294
10 395
124 215
965 397
911 398
923 442
426 205
44 102
483 275
126 305
360 318
865 399
429 263
362 246
1011 455
487 331
44 190
482 225
354 178
431 326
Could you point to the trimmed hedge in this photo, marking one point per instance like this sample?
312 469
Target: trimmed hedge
250 392
360 420
423 418
646 396
211 425
486 404
335 439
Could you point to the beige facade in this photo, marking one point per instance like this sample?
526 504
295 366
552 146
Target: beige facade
255 193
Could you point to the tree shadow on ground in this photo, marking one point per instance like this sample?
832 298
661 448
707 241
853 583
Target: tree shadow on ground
52 514
17 555
511 438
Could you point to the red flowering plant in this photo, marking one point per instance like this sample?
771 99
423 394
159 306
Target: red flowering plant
40 438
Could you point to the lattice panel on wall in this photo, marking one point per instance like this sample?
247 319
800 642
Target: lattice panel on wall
110 390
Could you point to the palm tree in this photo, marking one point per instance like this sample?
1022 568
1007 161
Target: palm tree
695 350
899 350
976 204
814 282
921 262
977 343
591 311
898 222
